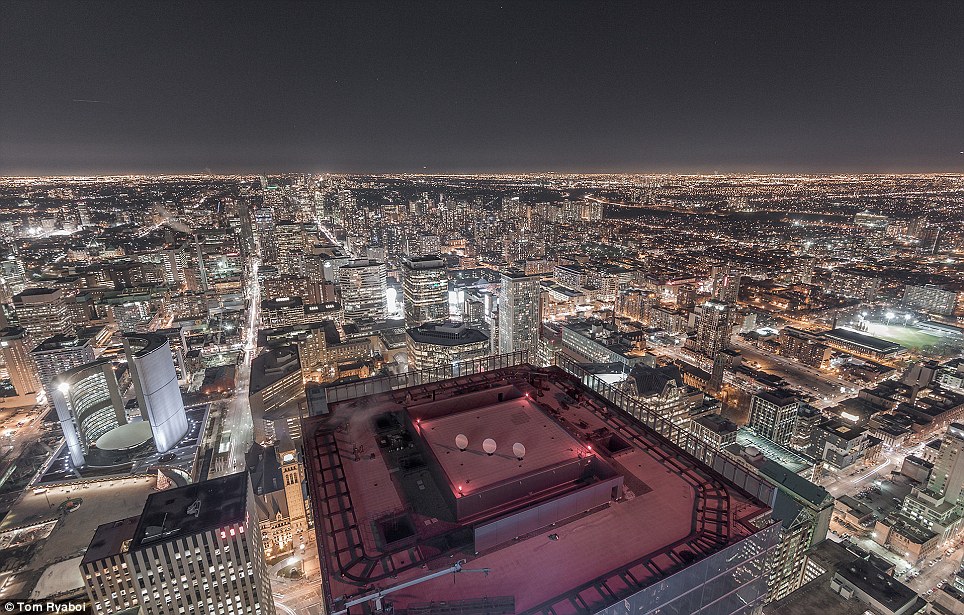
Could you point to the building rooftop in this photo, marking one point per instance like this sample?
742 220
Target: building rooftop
272 366
185 511
384 515
446 334
779 397
110 539
861 339
879 585
717 423
841 429
785 457
61 342
514 421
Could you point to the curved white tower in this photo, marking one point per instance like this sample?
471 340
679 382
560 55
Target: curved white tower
88 406
151 365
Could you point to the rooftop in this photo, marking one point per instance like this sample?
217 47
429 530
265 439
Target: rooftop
61 342
446 334
510 422
383 517
867 341
185 511
109 539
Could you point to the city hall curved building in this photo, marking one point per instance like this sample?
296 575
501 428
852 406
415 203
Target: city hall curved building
151 366
88 406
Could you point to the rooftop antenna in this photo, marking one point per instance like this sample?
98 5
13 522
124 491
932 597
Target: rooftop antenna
462 442
519 450
489 446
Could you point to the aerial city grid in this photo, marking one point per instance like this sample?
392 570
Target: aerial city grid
453 380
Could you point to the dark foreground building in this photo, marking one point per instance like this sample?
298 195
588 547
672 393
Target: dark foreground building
519 490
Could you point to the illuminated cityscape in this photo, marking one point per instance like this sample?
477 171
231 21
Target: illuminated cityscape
403 374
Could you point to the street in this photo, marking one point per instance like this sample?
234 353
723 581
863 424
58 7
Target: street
235 413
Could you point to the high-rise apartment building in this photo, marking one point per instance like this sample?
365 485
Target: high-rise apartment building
43 313
289 237
58 354
20 367
714 324
726 283
519 300
88 404
425 285
803 267
152 370
12 277
364 287
806 347
930 298
773 415
195 549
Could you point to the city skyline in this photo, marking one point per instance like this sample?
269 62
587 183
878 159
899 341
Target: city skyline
421 307
114 88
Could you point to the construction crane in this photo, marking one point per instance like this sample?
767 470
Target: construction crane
377 596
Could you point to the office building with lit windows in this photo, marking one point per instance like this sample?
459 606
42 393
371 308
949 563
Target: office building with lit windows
20 368
519 301
89 405
43 313
425 286
193 550
58 354
364 287
444 343
773 415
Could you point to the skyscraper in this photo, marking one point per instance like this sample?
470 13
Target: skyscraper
290 240
20 367
194 549
364 287
773 415
43 313
714 324
519 312
58 354
152 370
88 405
726 283
425 284
947 478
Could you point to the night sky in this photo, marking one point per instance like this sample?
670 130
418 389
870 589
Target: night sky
440 87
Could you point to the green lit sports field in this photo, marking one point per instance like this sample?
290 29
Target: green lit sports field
909 337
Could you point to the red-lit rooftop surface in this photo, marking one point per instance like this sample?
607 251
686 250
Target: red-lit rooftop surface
674 510
517 420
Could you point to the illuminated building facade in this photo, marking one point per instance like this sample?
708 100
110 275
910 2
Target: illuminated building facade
519 313
152 370
88 405
43 313
193 549
444 343
364 287
425 285
20 367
